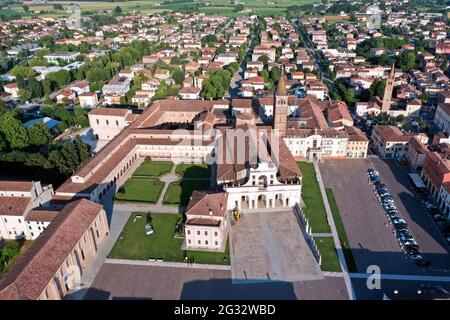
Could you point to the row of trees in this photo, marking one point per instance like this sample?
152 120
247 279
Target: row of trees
33 147
217 84
407 60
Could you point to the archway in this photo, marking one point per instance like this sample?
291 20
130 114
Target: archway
262 201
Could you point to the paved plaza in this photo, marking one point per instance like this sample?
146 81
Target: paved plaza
121 281
271 246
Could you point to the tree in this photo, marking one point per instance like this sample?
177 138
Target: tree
26 8
407 60
117 10
13 131
39 135
400 118
178 77
264 59
238 8
377 88
422 123
210 38
275 74
24 95
36 88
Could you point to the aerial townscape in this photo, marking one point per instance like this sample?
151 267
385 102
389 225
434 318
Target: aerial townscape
225 150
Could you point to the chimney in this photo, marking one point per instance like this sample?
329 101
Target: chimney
210 212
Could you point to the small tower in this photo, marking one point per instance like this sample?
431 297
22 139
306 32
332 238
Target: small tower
281 106
387 99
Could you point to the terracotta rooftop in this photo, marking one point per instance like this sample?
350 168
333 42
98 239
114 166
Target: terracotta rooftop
34 270
16 185
204 203
14 206
117 112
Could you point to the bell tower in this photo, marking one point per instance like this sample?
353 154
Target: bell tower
387 99
281 107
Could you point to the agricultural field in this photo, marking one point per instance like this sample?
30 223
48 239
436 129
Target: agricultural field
259 7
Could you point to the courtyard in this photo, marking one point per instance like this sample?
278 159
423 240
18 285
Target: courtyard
140 190
164 183
179 192
164 244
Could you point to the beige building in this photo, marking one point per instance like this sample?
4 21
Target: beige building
17 200
88 100
416 154
442 117
54 263
206 221
391 143
109 122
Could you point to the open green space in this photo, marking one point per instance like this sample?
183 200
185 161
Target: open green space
193 171
153 168
315 209
341 232
163 244
330 260
141 190
179 192
10 252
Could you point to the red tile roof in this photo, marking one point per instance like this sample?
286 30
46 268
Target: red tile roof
14 206
35 269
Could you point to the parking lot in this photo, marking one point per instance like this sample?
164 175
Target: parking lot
371 237
423 228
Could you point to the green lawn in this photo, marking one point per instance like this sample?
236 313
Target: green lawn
341 232
330 260
140 189
180 192
189 171
315 209
134 244
8 262
153 168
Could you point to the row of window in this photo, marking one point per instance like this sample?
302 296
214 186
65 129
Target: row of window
107 122
205 233
216 243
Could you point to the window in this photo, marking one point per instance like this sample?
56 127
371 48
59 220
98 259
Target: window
5 220
189 241
215 233
20 221
98 122
32 234
107 122
199 242
189 232
117 122
216 243
206 233
198 232
206 242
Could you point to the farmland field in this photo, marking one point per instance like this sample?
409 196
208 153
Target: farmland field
260 7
